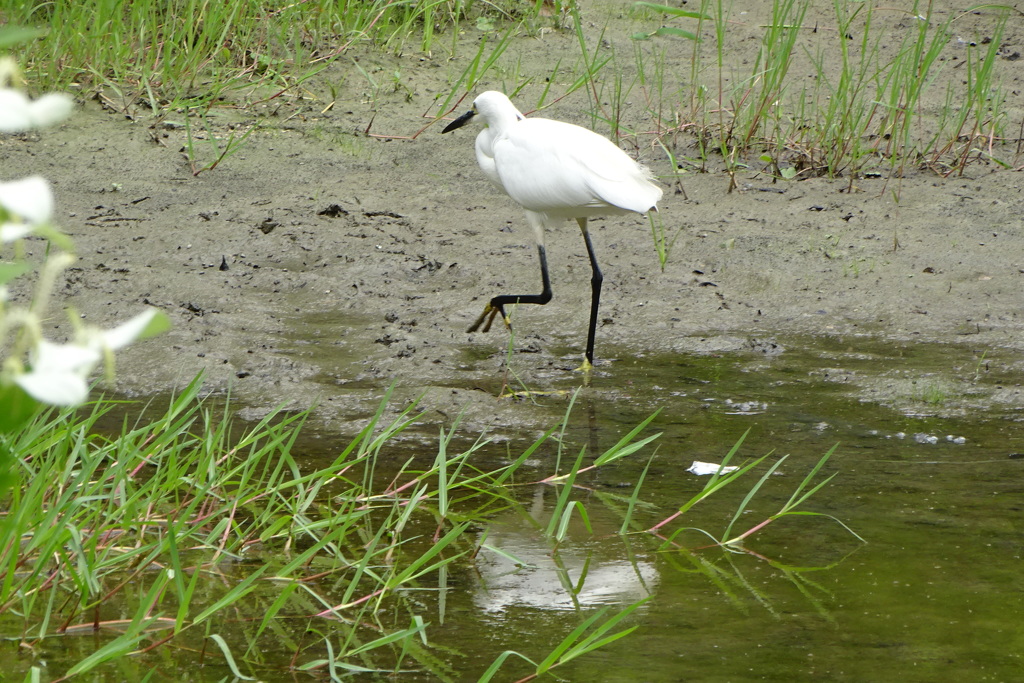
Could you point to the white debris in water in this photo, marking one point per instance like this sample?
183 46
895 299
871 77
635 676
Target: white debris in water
747 408
703 469
921 437
742 407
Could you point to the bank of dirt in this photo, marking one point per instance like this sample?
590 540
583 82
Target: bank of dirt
321 264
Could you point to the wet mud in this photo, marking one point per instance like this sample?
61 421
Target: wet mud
334 255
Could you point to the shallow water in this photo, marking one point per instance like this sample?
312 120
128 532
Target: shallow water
930 479
934 594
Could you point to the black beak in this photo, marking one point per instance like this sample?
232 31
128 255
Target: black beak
459 122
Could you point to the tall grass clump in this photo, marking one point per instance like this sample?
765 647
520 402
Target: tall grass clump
162 52
880 117
877 90
184 534
839 141
187 538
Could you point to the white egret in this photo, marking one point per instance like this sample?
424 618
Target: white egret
555 171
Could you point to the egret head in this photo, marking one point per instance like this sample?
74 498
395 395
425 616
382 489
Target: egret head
493 106
461 121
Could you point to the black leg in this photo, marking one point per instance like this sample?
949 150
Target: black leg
498 303
595 291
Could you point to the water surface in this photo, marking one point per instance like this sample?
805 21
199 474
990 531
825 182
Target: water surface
927 473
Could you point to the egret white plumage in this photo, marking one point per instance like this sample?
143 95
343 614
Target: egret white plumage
555 171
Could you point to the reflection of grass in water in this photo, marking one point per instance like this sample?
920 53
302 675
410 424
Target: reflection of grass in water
170 534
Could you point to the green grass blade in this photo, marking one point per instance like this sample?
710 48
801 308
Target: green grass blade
237 592
793 500
673 11
742 507
226 651
498 661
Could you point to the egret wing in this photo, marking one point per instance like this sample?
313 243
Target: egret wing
565 170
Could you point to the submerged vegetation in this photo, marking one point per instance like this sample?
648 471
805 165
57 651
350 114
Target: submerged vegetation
185 534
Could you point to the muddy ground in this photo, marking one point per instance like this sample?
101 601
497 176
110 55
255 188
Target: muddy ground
319 263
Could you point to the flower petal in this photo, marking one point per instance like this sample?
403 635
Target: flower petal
54 388
14 231
149 322
28 198
15 114
18 113
50 357
51 108
59 372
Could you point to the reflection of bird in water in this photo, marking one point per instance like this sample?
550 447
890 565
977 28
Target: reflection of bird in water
517 567
555 171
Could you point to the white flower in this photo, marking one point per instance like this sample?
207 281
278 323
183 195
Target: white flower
14 231
60 372
29 199
145 324
18 113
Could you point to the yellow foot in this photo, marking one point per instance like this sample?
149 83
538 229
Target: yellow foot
586 367
488 315
528 393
